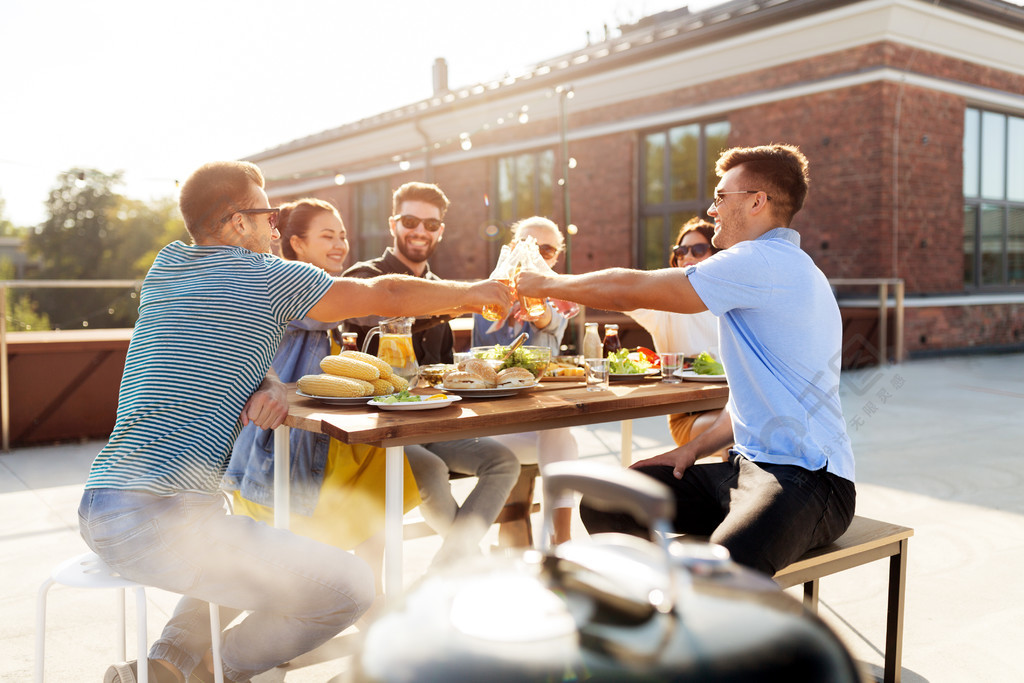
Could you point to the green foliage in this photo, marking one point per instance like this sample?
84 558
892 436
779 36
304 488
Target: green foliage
93 232
21 310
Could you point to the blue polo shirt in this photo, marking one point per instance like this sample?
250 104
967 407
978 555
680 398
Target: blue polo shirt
781 346
210 321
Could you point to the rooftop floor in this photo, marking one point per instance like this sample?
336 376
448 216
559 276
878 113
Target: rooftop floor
939 446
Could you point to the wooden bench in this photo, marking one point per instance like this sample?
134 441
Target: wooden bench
865 541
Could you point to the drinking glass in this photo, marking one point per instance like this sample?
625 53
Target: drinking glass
670 363
597 373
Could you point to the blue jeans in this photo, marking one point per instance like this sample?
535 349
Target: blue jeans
766 515
299 593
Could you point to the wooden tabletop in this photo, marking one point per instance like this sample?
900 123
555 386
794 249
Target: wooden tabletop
550 405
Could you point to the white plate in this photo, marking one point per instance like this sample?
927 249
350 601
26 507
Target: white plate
336 400
485 393
694 377
416 405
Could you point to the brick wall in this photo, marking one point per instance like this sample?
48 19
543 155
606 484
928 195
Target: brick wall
960 327
886 170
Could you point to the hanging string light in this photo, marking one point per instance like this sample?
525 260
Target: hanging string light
464 140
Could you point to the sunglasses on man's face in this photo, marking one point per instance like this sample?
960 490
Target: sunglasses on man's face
272 218
698 250
409 222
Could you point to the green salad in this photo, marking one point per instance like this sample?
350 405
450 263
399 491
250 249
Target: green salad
621 364
521 358
402 396
705 364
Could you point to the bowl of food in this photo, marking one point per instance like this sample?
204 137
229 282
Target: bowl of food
534 359
433 374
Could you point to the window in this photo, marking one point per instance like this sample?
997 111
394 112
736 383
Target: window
677 181
993 188
525 186
369 235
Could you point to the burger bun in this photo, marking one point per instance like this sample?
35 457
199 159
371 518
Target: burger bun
515 377
465 380
481 368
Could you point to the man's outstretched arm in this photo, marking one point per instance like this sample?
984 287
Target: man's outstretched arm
617 289
402 295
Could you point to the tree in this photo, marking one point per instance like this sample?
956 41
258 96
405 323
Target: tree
93 232
6 227
21 310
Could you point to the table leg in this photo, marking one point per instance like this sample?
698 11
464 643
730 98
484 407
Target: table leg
282 478
393 513
627 442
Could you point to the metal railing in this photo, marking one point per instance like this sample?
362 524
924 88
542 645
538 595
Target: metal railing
5 394
883 285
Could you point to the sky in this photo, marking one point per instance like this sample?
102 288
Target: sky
157 89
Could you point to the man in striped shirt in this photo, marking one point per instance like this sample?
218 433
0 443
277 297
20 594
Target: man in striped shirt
211 316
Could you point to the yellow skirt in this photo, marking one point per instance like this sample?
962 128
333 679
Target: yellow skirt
351 504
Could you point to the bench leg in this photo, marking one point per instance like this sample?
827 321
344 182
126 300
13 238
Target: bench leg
894 616
516 530
811 596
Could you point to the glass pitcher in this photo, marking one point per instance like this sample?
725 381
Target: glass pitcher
395 346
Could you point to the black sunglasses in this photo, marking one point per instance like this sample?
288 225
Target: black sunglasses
409 222
547 251
272 218
698 250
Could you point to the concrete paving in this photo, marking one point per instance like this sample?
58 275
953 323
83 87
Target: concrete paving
939 445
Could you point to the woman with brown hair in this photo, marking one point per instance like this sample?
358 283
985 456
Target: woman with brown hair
682 333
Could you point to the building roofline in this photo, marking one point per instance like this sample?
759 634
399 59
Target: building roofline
650 37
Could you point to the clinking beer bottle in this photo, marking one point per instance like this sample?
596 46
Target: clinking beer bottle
493 312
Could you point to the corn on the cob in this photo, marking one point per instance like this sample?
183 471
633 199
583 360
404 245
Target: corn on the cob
345 366
382 387
385 369
332 385
400 383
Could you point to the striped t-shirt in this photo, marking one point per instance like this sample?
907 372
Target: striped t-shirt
210 321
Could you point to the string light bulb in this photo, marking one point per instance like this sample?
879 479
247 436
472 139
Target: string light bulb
339 179
404 164
465 142
572 229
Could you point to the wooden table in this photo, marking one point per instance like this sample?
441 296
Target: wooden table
548 406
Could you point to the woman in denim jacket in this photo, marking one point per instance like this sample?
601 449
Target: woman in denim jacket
337 490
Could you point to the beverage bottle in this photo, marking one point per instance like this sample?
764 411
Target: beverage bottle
591 342
493 313
502 273
611 339
348 341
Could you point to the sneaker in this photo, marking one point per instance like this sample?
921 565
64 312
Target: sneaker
127 672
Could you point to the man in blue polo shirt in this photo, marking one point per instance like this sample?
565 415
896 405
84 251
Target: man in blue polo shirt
788 485
211 317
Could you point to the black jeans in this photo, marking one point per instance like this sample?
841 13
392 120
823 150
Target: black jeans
766 515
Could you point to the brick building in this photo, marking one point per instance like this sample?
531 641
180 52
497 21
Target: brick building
911 113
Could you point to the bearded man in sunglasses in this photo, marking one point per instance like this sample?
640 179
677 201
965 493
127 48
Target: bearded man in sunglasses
788 485
417 226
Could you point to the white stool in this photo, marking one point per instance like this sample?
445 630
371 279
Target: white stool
89 571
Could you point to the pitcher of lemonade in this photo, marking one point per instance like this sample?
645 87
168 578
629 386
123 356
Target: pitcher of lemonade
395 346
